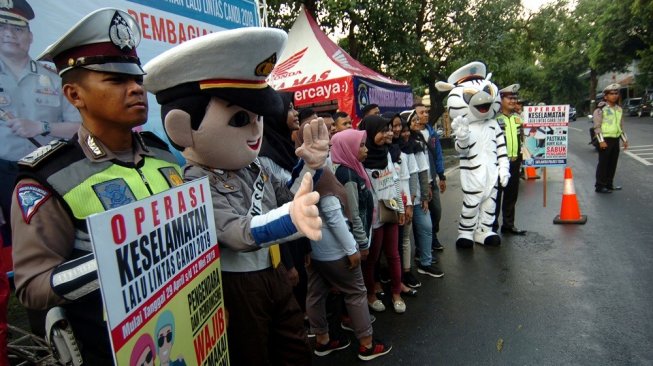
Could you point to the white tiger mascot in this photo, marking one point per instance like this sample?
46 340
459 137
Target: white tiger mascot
473 101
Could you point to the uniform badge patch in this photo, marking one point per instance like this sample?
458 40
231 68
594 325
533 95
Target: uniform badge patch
172 176
30 197
114 193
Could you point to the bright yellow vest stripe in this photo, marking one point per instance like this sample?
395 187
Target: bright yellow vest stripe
83 200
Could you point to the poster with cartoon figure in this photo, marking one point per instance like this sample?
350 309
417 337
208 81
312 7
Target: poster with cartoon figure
159 268
545 135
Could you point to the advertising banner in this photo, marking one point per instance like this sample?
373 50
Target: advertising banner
164 24
393 98
159 268
545 135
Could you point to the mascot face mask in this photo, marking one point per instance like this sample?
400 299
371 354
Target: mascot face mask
471 93
239 132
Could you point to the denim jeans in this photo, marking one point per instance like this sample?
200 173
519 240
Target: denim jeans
423 231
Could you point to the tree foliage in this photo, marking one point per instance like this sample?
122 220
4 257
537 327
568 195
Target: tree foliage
556 53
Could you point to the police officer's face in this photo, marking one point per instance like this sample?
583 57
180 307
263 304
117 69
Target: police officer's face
15 40
109 99
508 102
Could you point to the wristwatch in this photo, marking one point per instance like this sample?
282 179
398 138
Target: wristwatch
46 128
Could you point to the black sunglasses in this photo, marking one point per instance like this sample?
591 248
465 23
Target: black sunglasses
167 337
148 358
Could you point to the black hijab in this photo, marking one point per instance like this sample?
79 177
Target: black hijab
395 147
377 156
277 143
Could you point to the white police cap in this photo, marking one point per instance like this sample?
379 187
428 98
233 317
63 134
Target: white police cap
232 65
509 90
105 40
472 71
613 86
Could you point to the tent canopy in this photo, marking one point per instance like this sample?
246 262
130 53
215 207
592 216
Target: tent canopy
319 71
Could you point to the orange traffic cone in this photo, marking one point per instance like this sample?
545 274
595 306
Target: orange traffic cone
569 210
531 173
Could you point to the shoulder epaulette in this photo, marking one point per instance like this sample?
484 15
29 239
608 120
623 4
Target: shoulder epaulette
42 153
151 139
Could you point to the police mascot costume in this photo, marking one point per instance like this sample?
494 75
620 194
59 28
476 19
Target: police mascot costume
213 93
473 101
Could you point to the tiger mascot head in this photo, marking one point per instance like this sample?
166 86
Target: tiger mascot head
471 93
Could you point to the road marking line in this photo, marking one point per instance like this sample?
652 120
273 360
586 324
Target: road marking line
576 129
641 160
639 146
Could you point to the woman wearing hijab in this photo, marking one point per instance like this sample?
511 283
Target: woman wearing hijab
277 148
278 155
422 225
335 263
385 187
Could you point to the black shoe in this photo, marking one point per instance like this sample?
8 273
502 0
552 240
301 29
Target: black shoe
334 344
614 188
512 230
431 270
436 245
411 281
603 190
378 349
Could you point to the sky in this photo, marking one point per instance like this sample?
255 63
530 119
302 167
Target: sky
534 5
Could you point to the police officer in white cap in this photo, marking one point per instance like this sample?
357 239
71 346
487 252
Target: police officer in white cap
104 166
608 127
511 124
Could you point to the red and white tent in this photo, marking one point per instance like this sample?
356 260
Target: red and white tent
320 72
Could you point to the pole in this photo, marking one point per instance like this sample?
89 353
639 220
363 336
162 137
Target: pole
544 186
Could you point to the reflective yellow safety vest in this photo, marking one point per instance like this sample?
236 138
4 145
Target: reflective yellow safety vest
611 125
511 126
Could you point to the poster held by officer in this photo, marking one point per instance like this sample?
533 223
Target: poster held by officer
159 268
545 135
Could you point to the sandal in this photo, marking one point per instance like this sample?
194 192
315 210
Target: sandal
399 306
411 292
377 305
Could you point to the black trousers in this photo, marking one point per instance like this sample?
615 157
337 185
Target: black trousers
607 165
507 198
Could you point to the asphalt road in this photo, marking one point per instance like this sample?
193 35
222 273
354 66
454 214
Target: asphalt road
561 295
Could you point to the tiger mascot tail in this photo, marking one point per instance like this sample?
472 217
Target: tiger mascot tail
473 101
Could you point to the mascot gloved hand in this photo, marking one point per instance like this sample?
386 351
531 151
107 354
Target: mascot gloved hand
472 103
460 127
504 176
315 148
304 212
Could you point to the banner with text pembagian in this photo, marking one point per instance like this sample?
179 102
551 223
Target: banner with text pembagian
159 268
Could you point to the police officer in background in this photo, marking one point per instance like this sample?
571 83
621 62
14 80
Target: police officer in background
105 165
33 110
511 124
608 126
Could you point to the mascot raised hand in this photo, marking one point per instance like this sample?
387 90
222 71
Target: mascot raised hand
213 94
472 103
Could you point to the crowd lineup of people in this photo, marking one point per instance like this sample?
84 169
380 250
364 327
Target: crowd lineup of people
379 185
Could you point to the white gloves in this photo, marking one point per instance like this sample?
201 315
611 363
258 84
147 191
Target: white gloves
460 127
504 175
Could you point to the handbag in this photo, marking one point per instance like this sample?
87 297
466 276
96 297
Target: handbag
388 211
